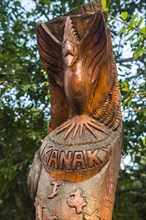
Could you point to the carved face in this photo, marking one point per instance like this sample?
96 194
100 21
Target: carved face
70 53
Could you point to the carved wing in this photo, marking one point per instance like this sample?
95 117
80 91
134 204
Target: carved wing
95 42
98 59
50 51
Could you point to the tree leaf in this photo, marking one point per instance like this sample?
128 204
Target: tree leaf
143 29
138 53
140 22
124 15
104 5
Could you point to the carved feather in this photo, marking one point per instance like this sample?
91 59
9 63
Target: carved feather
87 8
50 51
95 42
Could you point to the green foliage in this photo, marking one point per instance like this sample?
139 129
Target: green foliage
25 101
104 5
135 32
124 15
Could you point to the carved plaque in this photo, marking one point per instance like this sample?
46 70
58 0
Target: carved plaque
75 171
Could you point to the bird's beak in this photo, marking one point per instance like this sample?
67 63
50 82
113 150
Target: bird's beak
69 58
70 53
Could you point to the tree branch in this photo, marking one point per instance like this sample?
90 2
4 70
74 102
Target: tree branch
130 59
126 60
124 22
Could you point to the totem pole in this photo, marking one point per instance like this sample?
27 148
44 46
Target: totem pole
75 171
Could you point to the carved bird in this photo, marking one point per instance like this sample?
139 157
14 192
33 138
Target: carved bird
77 53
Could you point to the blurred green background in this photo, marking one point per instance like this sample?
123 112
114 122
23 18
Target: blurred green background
24 106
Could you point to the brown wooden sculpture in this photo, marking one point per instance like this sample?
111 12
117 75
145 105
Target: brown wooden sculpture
74 173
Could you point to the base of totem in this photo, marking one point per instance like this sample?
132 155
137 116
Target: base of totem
76 178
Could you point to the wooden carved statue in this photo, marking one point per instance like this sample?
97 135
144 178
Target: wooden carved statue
75 171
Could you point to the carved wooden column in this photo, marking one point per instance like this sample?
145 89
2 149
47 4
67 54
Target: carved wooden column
75 171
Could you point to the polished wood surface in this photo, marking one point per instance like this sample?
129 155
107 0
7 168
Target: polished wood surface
74 173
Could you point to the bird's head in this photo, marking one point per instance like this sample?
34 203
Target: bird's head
70 47
70 53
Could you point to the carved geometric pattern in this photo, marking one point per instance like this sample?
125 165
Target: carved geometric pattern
41 212
77 201
46 216
93 216
54 193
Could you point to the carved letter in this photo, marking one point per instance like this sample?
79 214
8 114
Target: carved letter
78 160
53 161
93 160
46 153
65 160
